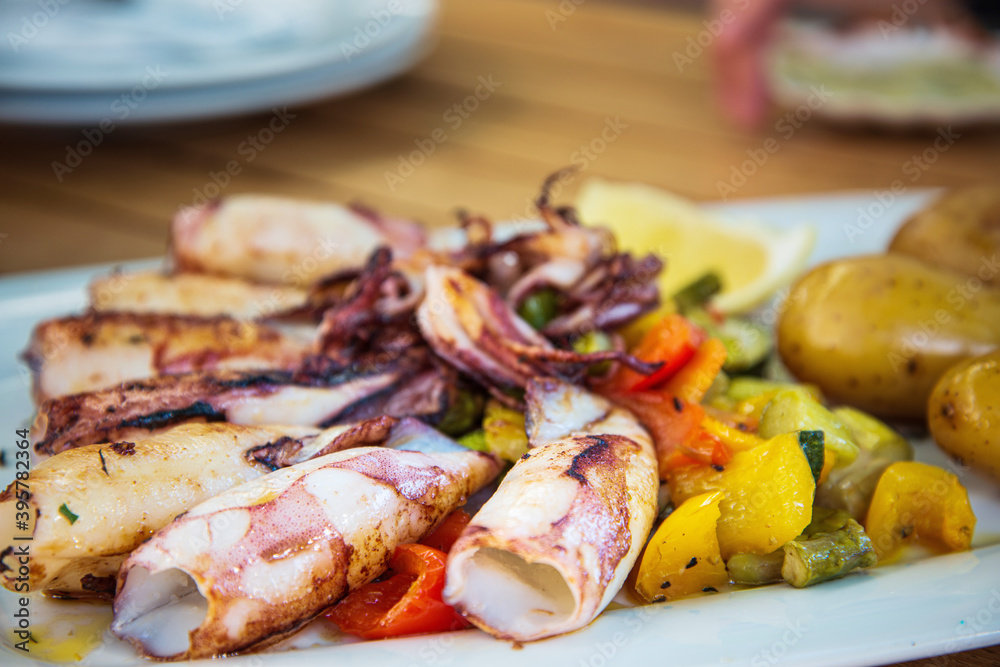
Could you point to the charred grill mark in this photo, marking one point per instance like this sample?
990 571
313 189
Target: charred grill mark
102 586
603 500
170 399
369 432
277 454
595 454
103 466
123 448
163 418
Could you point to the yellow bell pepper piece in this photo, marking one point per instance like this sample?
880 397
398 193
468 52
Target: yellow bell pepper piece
733 438
504 431
683 558
767 495
919 501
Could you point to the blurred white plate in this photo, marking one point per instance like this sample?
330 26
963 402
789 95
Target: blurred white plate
888 614
87 62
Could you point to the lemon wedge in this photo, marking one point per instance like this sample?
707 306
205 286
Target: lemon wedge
751 259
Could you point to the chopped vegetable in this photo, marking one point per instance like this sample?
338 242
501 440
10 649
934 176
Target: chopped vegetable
406 603
756 569
793 410
873 435
540 307
767 495
672 341
919 501
463 413
832 545
697 293
747 344
443 537
682 557
692 381
68 513
475 440
594 341
731 436
671 421
812 446
850 488
504 432
745 387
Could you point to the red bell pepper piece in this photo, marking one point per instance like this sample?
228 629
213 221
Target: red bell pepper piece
671 341
406 603
443 537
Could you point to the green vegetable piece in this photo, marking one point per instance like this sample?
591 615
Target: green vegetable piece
540 307
831 546
812 445
475 440
850 488
68 513
744 387
793 410
756 569
696 294
874 435
747 344
594 341
463 414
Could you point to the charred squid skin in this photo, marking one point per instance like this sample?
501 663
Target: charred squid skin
142 408
261 559
551 548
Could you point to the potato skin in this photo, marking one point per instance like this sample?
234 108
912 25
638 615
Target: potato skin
964 413
958 232
878 331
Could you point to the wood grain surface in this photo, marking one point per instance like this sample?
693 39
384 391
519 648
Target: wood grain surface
552 79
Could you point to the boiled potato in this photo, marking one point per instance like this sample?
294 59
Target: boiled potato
877 332
964 413
960 232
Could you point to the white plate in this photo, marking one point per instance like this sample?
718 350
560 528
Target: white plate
149 61
893 613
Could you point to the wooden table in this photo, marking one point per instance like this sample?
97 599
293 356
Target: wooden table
553 78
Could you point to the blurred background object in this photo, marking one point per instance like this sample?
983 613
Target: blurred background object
885 62
510 91
196 59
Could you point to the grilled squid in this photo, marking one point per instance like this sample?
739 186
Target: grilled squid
260 560
467 323
70 355
547 553
304 397
192 294
598 287
283 241
93 505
